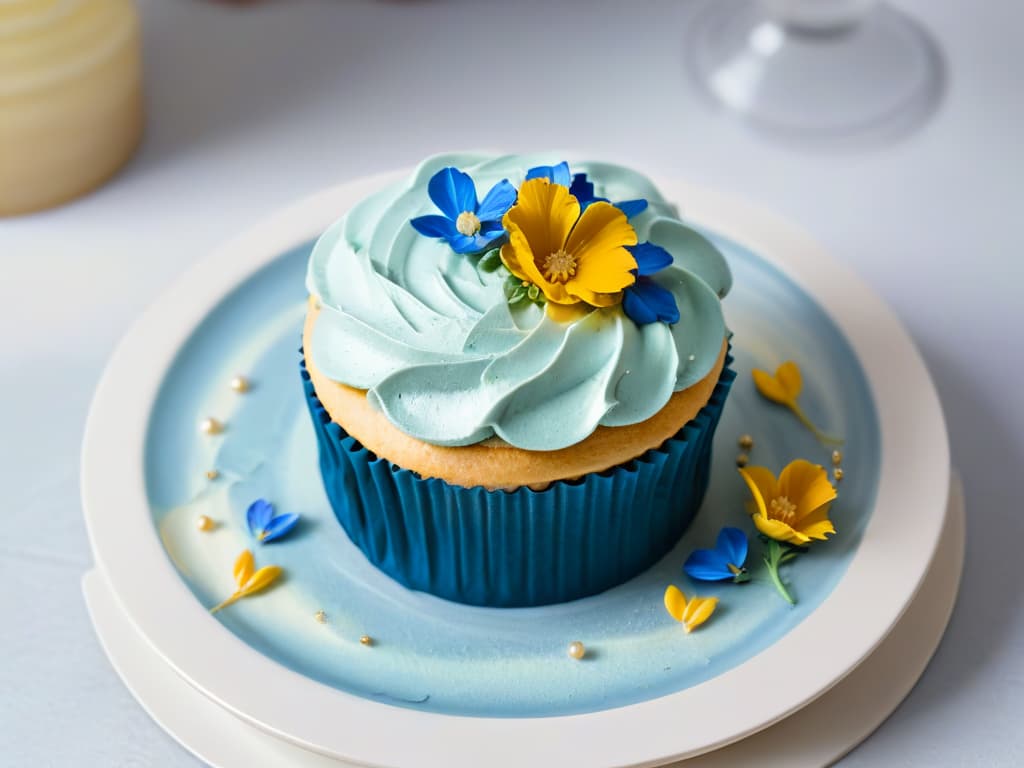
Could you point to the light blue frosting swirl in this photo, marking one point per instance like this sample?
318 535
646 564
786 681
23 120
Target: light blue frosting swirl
433 341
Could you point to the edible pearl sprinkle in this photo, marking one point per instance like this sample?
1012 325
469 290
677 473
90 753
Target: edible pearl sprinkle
742 459
746 442
240 384
320 616
366 640
837 457
211 426
204 523
838 474
577 650
212 474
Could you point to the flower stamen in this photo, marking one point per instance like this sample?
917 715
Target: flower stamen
559 266
468 223
781 508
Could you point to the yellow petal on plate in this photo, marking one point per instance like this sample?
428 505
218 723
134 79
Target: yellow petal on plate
818 530
797 477
770 387
698 611
244 565
778 530
675 602
788 375
762 485
262 579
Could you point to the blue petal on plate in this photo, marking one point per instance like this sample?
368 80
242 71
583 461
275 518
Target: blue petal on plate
279 526
631 208
258 516
732 543
650 258
497 201
434 226
707 565
646 302
556 174
452 191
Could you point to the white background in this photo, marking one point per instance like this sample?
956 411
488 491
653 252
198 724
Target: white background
253 107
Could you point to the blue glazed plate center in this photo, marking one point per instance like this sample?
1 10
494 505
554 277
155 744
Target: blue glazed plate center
448 658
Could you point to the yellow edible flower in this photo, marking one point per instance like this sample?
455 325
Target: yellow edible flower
571 257
248 579
795 508
784 388
690 613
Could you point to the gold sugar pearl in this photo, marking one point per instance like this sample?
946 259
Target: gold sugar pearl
838 474
746 442
205 523
240 384
366 640
577 650
742 459
320 616
210 426
212 474
837 458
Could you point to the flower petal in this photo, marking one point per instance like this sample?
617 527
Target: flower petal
582 188
461 243
647 302
707 565
546 214
632 207
603 265
650 258
435 226
636 308
778 530
452 191
771 388
762 486
279 526
788 375
497 201
798 477
262 579
818 530
258 515
820 495
556 174
698 610
675 602
732 543
243 568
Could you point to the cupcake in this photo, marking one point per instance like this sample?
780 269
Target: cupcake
514 373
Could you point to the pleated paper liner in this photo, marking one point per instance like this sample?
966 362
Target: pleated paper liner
523 547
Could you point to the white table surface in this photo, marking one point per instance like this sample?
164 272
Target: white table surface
251 108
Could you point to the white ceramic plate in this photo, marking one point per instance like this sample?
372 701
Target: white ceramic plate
816 735
883 577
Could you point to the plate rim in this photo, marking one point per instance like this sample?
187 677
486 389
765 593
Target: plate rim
889 563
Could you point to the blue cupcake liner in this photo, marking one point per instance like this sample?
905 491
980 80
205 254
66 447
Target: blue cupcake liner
523 547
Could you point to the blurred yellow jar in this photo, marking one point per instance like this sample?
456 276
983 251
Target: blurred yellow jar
70 98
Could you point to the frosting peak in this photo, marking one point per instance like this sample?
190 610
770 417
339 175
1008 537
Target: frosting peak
431 337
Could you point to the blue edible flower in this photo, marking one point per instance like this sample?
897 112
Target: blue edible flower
645 301
264 525
723 562
581 188
469 226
